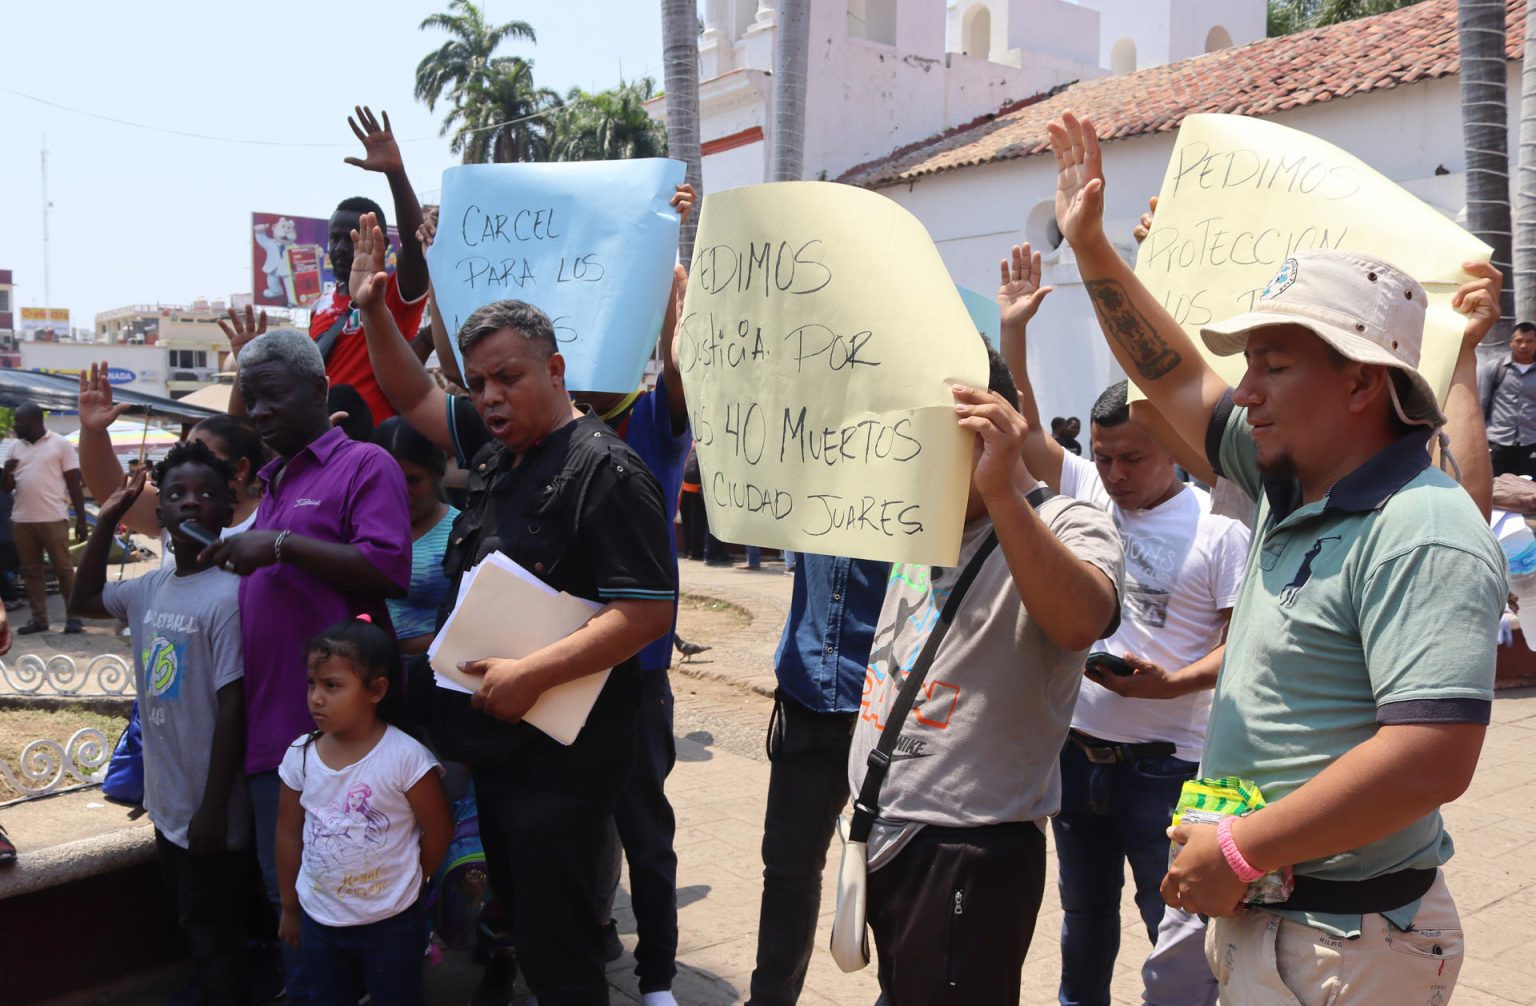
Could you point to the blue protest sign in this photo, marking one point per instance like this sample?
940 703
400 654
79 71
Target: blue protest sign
591 243
985 314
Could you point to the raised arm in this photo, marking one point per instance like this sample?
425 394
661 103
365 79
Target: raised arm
1145 339
401 376
1478 299
1019 296
383 155
91 576
677 403
98 464
1071 600
240 331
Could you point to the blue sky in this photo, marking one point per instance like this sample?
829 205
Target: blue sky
141 216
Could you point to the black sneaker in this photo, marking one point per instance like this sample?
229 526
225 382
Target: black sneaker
31 627
7 850
72 626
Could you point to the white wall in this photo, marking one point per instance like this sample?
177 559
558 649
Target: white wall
975 214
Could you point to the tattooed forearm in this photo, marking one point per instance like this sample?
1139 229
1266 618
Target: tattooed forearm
1153 357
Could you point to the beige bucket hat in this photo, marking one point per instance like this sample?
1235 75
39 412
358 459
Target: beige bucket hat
1367 309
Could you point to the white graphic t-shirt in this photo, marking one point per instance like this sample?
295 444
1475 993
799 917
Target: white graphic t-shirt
362 845
1183 566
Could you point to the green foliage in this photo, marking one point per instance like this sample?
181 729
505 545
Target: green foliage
608 125
1288 16
7 421
489 92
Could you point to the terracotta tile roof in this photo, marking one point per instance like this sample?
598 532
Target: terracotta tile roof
1404 46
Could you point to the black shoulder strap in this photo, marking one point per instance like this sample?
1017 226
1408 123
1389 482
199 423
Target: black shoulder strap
327 342
867 804
1499 374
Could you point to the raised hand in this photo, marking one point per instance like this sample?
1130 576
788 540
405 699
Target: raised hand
1478 299
1144 225
118 504
682 201
427 232
378 142
97 412
240 332
1079 180
1000 431
370 250
1020 294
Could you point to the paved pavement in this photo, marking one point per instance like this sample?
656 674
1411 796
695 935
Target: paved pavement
719 789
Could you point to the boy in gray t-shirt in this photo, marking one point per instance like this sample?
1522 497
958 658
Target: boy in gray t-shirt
185 623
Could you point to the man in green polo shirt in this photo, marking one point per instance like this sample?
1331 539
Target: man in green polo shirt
1358 676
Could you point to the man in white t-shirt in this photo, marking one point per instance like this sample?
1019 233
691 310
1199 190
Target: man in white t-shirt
1134 739
44 472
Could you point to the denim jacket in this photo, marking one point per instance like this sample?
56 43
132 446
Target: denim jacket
824 651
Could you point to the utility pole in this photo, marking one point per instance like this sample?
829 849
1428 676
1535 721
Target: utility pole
47 277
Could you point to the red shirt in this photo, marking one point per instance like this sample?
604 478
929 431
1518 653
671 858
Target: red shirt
349 363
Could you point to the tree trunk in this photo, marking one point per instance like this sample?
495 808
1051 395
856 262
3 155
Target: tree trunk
1485 129
791 54
680 60
1525 206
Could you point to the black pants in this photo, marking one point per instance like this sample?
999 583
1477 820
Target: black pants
695 524
646 826
545 829
807 788
954 912
210 896
10 565
1516 459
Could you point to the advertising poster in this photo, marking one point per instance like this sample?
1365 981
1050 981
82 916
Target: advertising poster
290 266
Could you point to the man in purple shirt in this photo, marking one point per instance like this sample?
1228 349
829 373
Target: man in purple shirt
331 540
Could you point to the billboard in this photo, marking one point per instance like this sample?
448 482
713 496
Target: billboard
44 324
290 266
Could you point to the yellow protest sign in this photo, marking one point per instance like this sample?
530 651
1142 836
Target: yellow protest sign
819 338
1242 194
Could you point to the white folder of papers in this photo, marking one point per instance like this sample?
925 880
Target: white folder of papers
505 611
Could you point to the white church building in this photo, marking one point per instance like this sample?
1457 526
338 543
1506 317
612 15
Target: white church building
943 109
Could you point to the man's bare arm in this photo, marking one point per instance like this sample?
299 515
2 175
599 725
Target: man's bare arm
1144 337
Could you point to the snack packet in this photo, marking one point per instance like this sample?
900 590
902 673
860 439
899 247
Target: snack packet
1207 801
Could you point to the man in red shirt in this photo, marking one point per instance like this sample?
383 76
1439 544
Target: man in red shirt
333 322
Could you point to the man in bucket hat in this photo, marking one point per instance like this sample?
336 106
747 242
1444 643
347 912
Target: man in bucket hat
1358 676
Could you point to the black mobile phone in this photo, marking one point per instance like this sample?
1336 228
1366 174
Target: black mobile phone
1109 663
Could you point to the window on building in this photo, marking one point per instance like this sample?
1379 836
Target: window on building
1218 38
5 301
872 20
1122 58
976 35
188 359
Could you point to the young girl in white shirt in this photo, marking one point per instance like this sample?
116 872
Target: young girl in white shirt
362 823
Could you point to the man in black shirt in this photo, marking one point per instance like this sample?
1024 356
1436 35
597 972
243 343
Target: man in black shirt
562 495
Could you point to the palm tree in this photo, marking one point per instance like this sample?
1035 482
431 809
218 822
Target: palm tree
609 125
1480 32
791 53
468 72
680 59
1287 16
1525 205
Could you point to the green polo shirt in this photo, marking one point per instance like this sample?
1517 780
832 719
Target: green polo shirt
1378 604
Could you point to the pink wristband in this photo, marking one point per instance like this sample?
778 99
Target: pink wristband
1245 870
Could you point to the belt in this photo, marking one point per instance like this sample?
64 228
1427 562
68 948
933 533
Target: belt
1358 897
1101 752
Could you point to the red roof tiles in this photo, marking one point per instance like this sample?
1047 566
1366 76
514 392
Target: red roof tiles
1372 54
